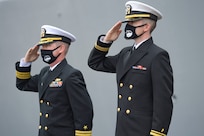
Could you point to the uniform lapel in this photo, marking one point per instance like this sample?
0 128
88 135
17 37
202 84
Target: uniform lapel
134 57
52 75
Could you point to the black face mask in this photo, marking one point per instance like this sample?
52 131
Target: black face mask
130 31
47 55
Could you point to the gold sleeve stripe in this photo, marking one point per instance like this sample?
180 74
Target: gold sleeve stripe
156 133
104 49
23 75
83 133
137 15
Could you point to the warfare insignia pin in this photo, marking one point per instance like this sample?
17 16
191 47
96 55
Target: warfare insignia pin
56 83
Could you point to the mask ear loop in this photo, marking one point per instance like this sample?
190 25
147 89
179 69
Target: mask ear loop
56 48
140 26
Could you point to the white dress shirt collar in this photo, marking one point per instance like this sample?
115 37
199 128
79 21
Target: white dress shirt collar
137 45
53 67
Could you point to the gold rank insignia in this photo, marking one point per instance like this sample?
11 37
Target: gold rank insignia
57 83
85 127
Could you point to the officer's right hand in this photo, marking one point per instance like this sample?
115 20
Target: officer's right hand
113 33
32 54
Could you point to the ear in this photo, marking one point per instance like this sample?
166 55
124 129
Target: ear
61 48
147 27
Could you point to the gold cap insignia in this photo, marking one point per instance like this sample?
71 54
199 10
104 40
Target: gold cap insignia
128 9
43 32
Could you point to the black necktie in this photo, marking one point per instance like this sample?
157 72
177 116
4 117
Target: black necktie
127 56
47 73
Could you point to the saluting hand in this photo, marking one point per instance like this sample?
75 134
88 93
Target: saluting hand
32 54
113 33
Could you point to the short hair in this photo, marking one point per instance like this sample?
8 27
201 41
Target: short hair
58 43
151 22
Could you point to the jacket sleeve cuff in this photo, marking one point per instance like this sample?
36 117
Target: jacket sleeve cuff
156 133
22 72
101 46
83 133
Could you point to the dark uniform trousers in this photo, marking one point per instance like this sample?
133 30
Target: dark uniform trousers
145 87
65 105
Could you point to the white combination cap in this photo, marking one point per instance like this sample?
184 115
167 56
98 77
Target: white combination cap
136 10
51 34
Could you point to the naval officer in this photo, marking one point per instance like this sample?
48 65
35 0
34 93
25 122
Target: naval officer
65 105
144 73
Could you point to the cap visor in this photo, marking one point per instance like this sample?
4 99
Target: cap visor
131 20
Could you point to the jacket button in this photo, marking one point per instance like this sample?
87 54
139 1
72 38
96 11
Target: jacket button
129 98
48 103
127 111
40 127
47 115
121 84
118 109
46 128
41 101
120 96
130 86
40 114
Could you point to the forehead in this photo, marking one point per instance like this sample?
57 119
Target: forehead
53 44
136 21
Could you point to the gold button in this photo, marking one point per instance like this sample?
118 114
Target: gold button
121 84
40 113
162 130
46 115
118 109
127 111
130 86
41 101
46 128
129 98
48 103
40 127
120 96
